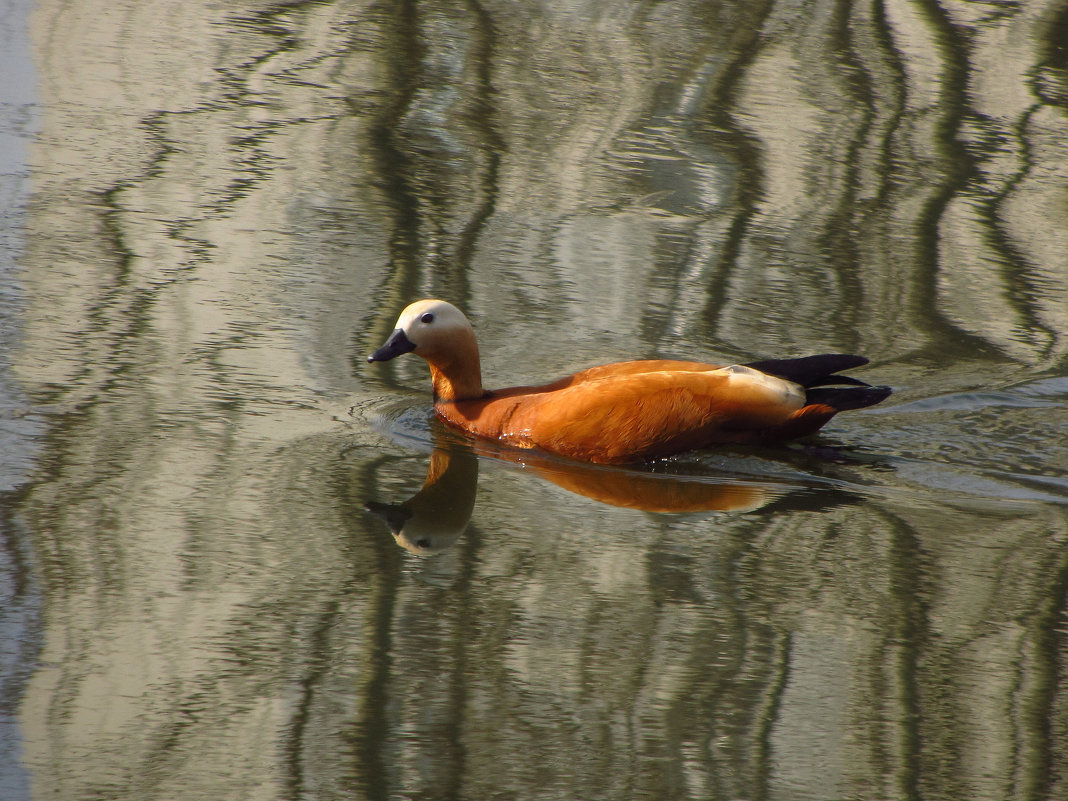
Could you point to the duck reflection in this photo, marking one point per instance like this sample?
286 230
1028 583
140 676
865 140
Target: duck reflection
437 515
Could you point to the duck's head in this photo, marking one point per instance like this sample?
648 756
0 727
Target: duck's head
441 334
427 327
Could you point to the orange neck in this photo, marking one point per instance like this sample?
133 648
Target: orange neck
456 373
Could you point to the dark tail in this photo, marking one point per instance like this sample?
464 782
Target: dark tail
843 398
819 371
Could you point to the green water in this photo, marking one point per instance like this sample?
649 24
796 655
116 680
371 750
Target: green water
215 211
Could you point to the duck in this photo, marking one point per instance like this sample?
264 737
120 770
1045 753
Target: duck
627 412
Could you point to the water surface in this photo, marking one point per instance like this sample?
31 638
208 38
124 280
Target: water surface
218 210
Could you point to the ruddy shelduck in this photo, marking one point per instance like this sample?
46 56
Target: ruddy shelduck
632 411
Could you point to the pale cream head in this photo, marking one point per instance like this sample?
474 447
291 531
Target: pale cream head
429 324
441 334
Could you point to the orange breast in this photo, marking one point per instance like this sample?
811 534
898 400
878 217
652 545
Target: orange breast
632 411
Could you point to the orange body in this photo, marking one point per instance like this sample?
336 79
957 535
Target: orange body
633 411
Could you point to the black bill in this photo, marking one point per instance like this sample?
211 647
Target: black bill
397 345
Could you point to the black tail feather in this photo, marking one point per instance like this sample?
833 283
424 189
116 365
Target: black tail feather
843 398
820 371
810 371
839 379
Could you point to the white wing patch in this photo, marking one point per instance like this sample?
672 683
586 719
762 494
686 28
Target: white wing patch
786 392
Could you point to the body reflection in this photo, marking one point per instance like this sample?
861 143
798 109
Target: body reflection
633 488
435 517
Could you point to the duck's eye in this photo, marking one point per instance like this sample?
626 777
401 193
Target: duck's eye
427 318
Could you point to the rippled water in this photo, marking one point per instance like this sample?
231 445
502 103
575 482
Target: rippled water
238 562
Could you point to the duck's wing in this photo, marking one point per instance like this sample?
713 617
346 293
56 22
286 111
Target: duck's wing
620 369
631 417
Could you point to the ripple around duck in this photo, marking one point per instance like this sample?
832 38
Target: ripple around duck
813 475
1000 445
1041 393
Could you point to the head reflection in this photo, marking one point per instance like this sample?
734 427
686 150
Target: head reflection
435 517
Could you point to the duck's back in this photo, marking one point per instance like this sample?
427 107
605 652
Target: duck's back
631 411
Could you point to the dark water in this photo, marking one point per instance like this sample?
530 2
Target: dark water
212 212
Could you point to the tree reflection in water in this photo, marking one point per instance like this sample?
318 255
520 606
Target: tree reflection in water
228 204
